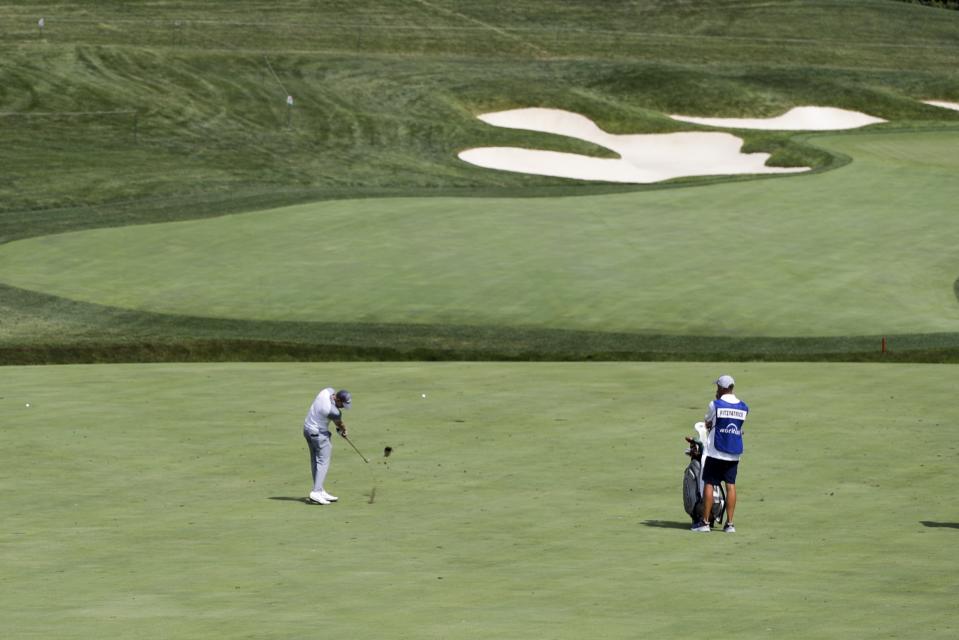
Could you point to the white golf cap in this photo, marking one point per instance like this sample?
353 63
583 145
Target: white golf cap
725 381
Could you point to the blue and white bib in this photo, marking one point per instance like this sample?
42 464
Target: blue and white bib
728 429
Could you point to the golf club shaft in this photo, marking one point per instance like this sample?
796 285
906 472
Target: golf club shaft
356 450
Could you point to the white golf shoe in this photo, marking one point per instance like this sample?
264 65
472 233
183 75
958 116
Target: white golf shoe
327 496
316 497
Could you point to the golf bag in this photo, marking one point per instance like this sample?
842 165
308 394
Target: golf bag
693 482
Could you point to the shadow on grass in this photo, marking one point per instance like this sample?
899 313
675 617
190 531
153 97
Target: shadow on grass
98 333
663 524
291 499
946 525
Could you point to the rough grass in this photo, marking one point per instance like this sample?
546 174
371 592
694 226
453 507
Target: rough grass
210 94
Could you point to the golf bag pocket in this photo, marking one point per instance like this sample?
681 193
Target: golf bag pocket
693 495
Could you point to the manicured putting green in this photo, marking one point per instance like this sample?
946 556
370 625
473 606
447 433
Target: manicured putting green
863 250
521 501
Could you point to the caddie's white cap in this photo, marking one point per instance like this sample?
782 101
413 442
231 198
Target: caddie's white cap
725 381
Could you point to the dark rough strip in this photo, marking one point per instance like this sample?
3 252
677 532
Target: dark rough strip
66 331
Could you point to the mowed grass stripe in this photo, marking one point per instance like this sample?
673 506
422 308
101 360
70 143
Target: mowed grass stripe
859 251
167 503
372 112
568 28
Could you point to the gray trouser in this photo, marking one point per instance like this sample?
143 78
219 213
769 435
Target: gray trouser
320 451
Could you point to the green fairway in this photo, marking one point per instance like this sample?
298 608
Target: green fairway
521 501
165 208
863 250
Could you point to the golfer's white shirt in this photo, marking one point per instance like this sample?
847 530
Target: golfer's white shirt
711 450
322 409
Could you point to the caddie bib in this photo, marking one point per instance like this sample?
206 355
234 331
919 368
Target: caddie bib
728 429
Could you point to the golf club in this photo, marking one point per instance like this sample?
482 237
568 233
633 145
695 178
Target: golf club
355 449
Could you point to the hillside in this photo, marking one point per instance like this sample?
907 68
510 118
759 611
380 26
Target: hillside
158 110
119 113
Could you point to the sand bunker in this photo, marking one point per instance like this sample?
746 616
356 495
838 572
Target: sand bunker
644 158
944 105
796 119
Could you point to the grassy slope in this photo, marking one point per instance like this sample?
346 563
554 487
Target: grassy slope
213 118
386 93
521 501
810 256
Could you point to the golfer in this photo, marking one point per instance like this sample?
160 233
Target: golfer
328 405
724 445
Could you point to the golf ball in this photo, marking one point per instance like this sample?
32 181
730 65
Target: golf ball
424 395
28 404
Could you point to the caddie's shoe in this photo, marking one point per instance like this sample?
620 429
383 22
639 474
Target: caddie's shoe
316 497
700 527
729 528
327 496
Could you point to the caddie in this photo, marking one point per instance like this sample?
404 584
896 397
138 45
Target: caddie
724 446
